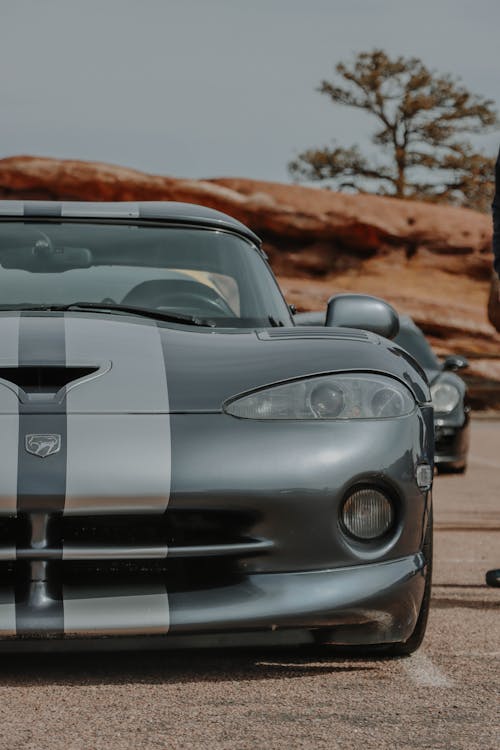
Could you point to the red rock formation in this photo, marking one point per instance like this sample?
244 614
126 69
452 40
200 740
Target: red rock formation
433 262
362 222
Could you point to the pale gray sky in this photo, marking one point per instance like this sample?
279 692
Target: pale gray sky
217 87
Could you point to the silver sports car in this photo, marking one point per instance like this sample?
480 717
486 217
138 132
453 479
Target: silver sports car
181 465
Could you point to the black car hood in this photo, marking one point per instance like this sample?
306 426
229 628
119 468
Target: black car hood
135 365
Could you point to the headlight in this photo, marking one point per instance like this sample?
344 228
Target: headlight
445 397
352 396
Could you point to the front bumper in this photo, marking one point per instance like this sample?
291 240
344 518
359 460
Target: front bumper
249 544
369 604
452 444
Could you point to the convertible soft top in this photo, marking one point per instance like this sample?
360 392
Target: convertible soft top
167 211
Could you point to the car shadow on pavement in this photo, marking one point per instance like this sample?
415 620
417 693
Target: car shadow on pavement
157 667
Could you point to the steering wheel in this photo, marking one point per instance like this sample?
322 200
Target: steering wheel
182 295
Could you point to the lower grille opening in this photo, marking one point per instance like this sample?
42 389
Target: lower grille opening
9 526
177 528
175 574
445 443
182 550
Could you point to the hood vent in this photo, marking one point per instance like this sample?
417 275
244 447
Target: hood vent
306 332
38 381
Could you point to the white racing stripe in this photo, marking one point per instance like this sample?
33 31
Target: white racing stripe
118 460
117 463
118 426
136 381
9 415
7 613
424 673
9 332
9 449
92 210
120 611
11 208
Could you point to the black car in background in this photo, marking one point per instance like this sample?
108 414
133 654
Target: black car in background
448 390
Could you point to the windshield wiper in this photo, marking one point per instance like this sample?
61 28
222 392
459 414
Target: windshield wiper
146 312
142 311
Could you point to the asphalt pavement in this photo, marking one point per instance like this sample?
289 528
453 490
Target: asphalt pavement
447 695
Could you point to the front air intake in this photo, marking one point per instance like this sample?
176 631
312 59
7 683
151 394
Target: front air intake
43 379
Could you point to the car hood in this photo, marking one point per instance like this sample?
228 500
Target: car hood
126 364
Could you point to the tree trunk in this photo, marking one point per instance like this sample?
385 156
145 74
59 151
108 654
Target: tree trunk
400 183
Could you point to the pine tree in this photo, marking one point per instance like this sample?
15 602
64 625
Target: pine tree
424 123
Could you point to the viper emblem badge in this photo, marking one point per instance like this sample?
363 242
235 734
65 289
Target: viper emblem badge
43 445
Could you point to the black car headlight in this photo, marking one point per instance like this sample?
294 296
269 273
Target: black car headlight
350 396
445 397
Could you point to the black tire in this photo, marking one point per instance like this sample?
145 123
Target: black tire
409 646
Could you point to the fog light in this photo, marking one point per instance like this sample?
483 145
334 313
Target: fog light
367 514
423 476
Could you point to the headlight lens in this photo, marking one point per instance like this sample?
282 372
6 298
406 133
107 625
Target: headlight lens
351 396
367 514
445 397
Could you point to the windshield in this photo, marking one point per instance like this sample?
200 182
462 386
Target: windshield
207 273
414 341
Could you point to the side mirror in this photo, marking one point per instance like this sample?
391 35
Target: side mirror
362 311
455 362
